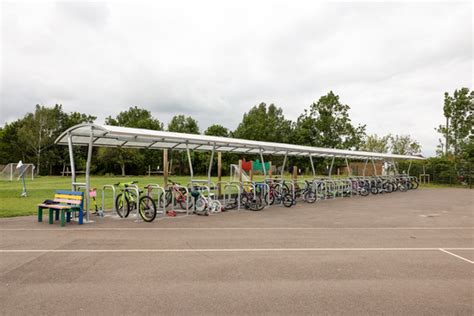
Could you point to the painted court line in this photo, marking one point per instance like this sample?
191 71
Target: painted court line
222 250
232 228
455 255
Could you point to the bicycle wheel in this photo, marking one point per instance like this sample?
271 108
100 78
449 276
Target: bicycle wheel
147 208
215 207
310 196
288 200
402 187
244 201
271 198
374 190
256 204
201 206
122 206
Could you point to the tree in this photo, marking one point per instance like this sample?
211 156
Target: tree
458 130
374 143
137 118
217 130
183 124
39 130
32 137
10 147
264 124
327 124
404 145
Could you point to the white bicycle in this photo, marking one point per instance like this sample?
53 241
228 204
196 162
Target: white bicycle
205 205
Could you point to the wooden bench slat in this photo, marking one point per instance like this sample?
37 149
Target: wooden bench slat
77 193
75 202
68 196
57 206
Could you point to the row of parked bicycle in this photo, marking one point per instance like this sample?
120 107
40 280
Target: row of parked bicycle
204 198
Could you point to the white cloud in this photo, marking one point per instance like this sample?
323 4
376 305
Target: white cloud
391 62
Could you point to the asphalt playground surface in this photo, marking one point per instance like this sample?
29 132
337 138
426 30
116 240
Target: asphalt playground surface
399 253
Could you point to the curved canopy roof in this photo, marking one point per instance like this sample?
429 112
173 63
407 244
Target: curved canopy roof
126 137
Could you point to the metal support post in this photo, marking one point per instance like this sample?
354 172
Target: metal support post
312 165
332 164
283 167
263 164
365 167
210 166
373 165
88 171
395 167
409 167
189 161
71 160
349 171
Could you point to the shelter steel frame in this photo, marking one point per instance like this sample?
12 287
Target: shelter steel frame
124 137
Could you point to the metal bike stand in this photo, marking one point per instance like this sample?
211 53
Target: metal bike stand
230 185
104 188
188 197
303 185
160 193
252 184
265 190
137 191
79 186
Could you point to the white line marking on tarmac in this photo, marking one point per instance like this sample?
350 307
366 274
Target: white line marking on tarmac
232 228
222 250
455 255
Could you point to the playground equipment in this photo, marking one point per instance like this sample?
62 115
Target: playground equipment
11 171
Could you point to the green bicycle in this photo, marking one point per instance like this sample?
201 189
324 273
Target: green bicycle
126 201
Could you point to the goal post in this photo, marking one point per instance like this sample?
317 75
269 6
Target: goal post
10 171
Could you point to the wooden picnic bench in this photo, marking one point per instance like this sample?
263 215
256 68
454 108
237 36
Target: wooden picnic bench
65 202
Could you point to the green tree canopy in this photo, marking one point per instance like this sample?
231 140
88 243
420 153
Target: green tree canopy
374 143
135 117
458 131
264 124
183 124
404 145
327 124
217 130
31 138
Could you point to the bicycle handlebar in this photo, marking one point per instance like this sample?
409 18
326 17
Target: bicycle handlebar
125 184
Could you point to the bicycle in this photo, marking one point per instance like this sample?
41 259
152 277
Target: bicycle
126 201
177 193
251 201
204 205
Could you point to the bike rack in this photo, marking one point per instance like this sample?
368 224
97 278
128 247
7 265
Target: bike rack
302 187
229 185
104 188
266 190
135 188
159 194
188 197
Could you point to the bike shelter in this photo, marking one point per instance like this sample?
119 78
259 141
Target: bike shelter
96 135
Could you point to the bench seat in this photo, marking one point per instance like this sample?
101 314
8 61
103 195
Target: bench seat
66 202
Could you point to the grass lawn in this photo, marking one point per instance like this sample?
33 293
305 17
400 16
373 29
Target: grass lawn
43 188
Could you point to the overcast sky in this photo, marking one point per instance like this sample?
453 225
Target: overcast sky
213 60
